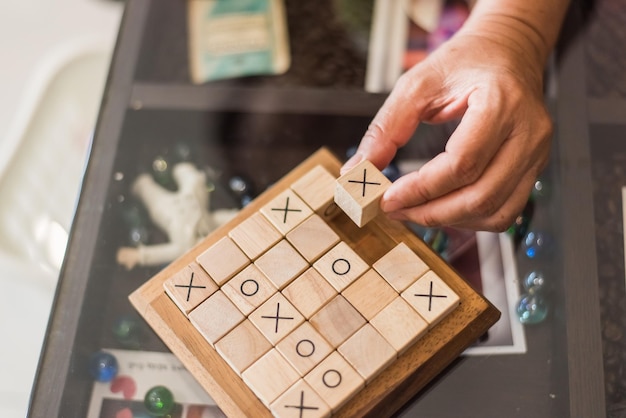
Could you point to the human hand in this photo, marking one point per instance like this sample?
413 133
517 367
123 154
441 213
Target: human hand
494 82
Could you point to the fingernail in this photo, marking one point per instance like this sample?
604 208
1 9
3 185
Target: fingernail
354 160
391 205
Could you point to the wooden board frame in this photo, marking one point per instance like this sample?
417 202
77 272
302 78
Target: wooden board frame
393 387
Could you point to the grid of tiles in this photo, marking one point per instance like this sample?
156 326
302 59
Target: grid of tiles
296 312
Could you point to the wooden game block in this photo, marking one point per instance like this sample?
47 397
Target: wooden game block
281 264
341 266
270 376
255 235
276 318
317 189
300 401
286 211
215 317
369 294
400 267
304 348
223 260
337 321
249 289
368 352
242 346
309 292
335 380
431 298
189 287
359 190
312 238
399 324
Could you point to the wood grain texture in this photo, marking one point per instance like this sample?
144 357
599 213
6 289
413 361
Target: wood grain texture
394 386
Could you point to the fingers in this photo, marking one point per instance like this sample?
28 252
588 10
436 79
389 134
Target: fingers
491 202
396 121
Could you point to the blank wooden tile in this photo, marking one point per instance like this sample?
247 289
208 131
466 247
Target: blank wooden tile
249 289
215 317
286 211
276 318
313 237
270 376
369 294
189 287
304 348
223 260
300 401
242 346
337 321
255 235
281 264
399 324
368 352
401 267
358 192
335 380
309 292
431 298
341 265
317 189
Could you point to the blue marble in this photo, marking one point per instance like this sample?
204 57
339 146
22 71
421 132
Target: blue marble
532 308
103 366
534 282
537 244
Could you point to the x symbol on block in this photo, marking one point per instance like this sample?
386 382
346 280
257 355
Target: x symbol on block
286 209
364 182
277 317
430 296
301 407
190 286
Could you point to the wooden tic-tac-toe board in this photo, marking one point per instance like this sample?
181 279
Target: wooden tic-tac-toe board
292 310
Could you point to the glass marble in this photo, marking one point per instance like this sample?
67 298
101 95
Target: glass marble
534 282
128 331
103 366
162 172
532 308
159 401
537 244
541 189
437 239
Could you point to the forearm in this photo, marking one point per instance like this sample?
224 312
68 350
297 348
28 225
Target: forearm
531 25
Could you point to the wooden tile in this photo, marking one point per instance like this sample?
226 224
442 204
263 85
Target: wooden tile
358 192
368 352
286 211
313 237
242 346
309 292
337 321
276 318
189 287
335 380
304 348
300 401
317 189
223 260
341 266
249 289
401 267
431 298
255 235
281 264
215 317
369 294
399 324
270 376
